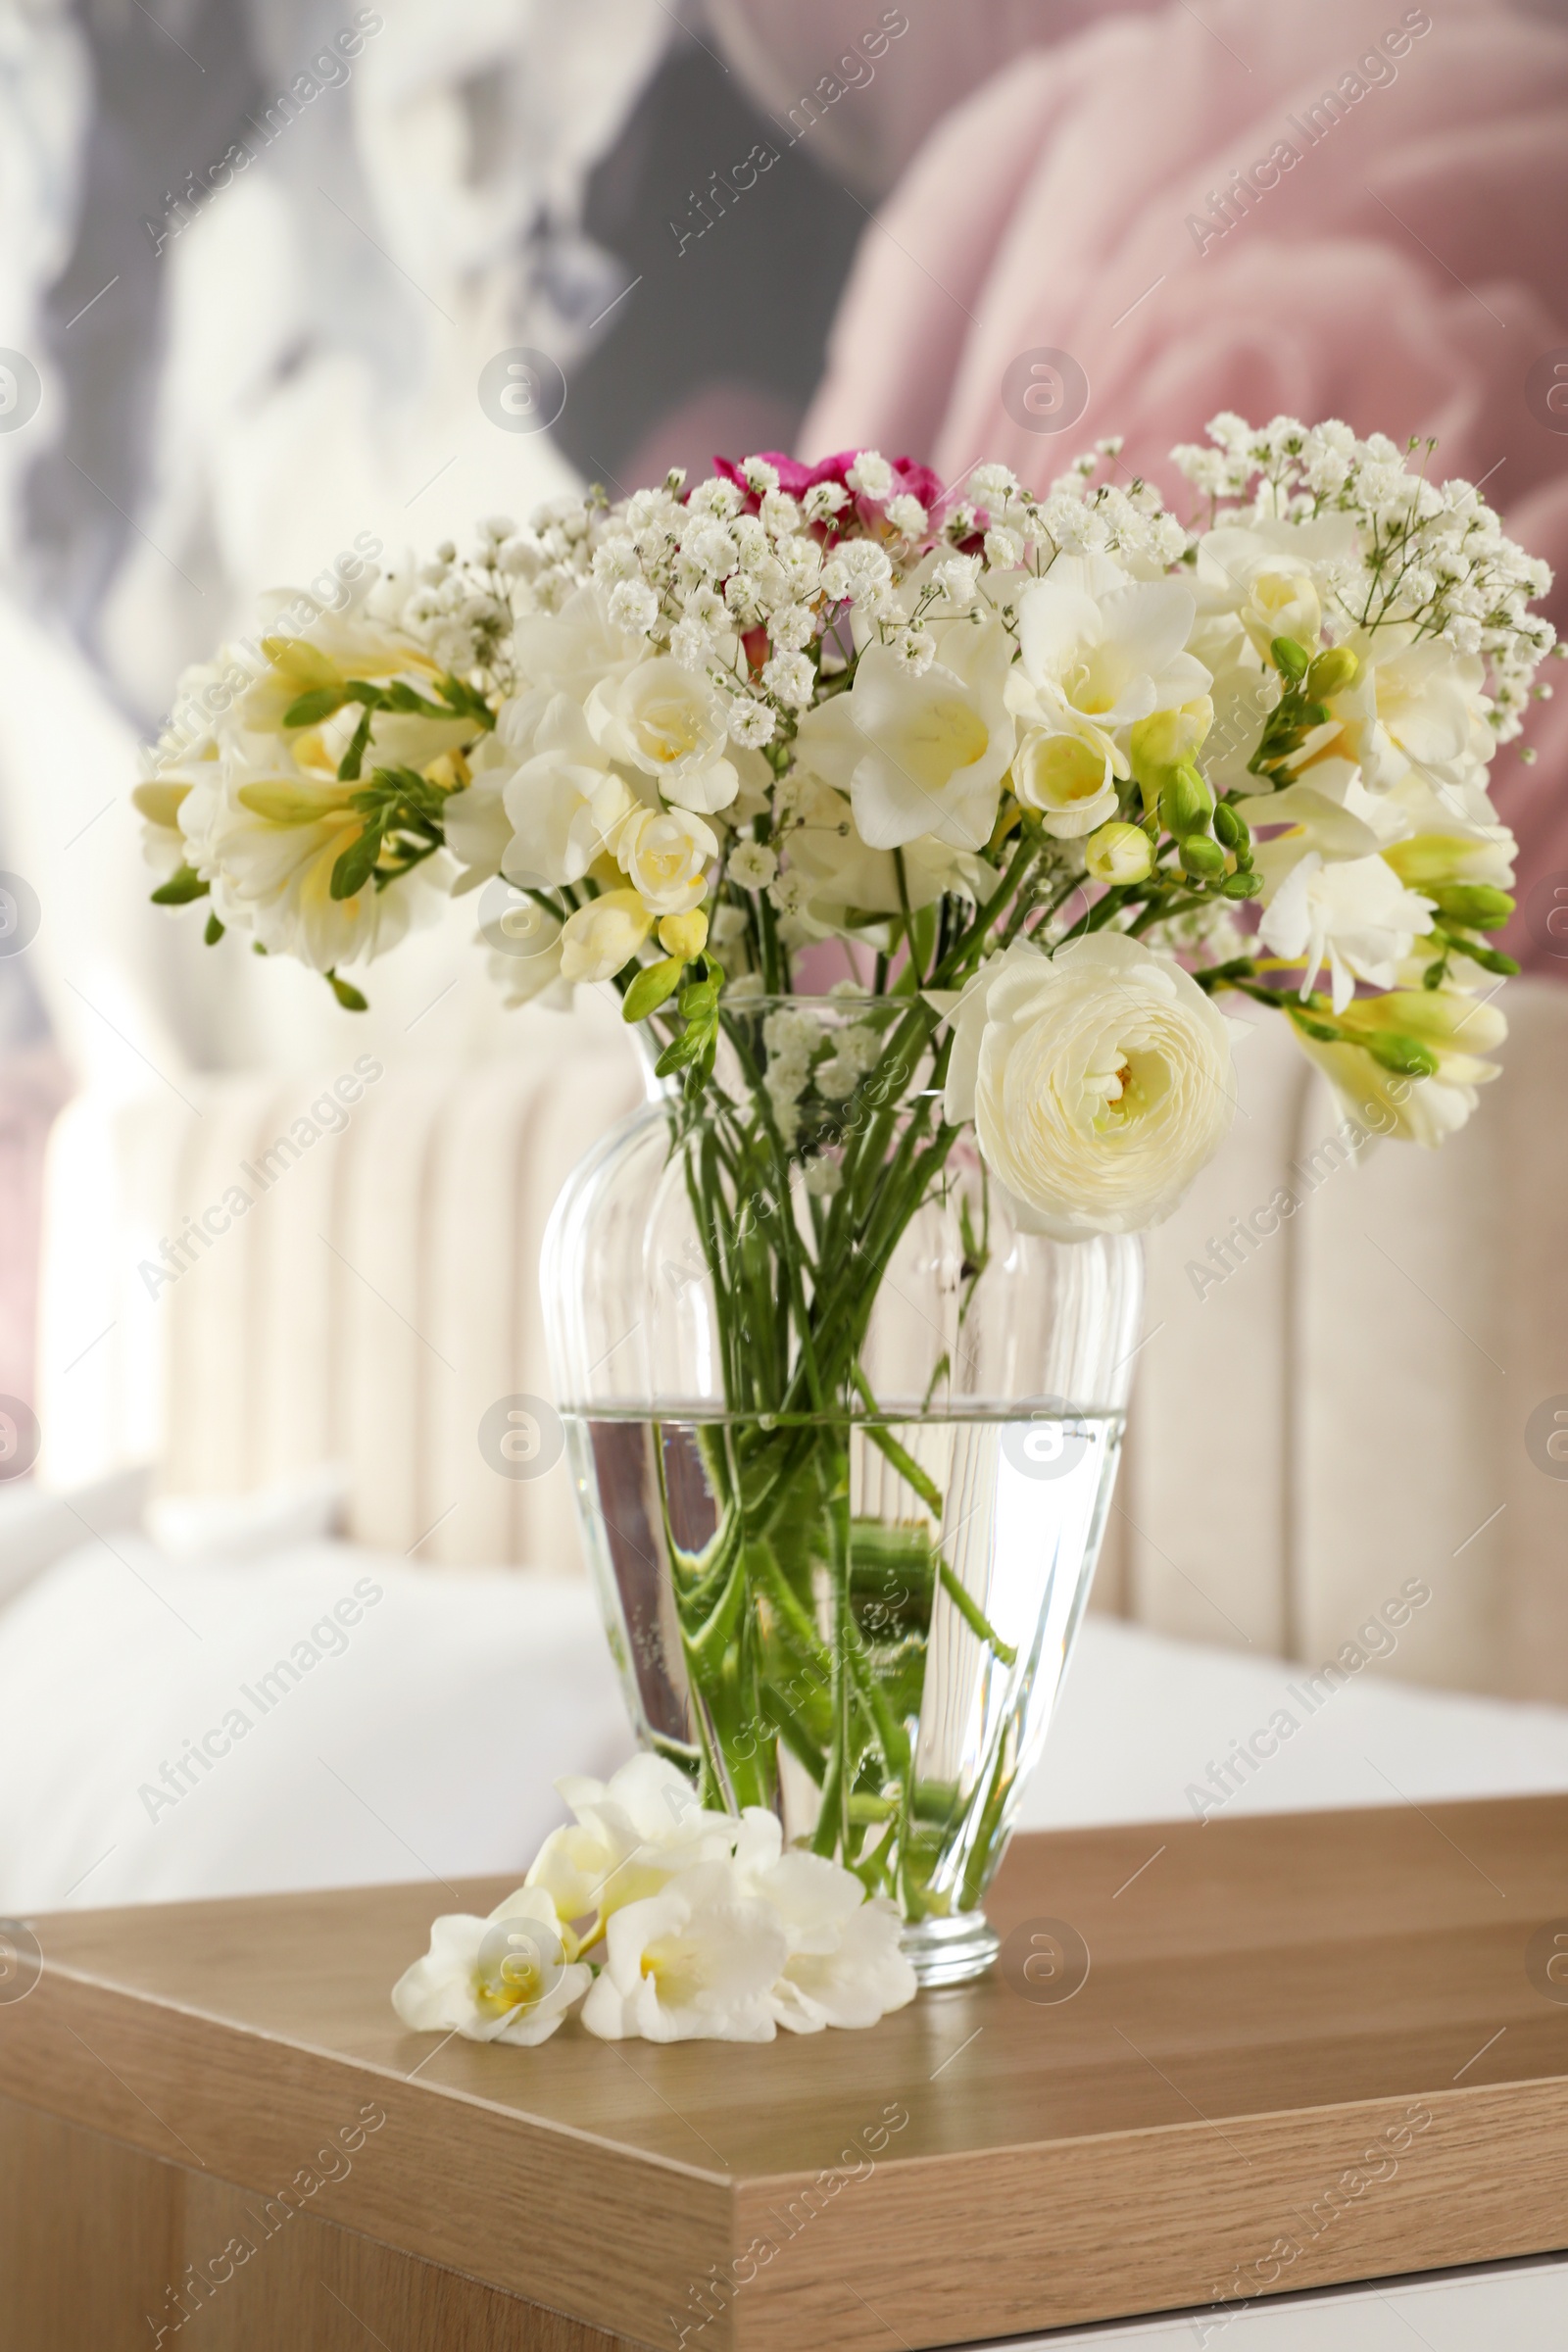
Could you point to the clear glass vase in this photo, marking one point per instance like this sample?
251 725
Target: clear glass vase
844 1442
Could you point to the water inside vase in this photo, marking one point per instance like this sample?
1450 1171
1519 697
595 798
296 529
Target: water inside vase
864 1624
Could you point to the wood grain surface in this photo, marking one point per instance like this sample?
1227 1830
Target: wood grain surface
1308 2048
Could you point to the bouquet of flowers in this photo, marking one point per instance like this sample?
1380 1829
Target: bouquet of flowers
1040 777
703 730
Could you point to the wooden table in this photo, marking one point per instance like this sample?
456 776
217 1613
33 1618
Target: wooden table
1310 2049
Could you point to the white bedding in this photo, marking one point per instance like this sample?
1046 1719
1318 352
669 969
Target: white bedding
266 1712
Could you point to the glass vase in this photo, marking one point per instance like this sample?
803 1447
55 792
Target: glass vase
843 1441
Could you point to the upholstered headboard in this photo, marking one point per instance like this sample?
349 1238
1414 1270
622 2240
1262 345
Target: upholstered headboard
1323 1410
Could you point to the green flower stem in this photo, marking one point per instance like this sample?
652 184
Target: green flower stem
975 1618
801 1632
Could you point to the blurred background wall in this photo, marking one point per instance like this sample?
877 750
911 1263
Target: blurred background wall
266 266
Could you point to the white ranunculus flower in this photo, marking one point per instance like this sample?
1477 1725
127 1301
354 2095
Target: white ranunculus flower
666 854
1110 658
919 754
564 804
671 723
696 1962
603 936
1353 914
266 835
510 1978
1098 1080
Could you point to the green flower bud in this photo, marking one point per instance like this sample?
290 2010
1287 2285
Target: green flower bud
1290 658
1119 852
1186 802
1242 886
1202 858
1429 860
1490 959
1229 829
1332 672
653 985
1475 905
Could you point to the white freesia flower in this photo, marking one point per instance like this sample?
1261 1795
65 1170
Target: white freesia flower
1459 1030
631 1835
574 650
919 754
1098 1080
845 1966
267 834
1415 704
1109 657
566 805
534 979
666 854
603 936
696 1962
1272 573
326 651
671 723
157 800
478 829
858 1977
839 872
508 1977
1070 774
1353 914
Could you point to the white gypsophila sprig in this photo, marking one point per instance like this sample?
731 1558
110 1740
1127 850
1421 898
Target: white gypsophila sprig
1430 558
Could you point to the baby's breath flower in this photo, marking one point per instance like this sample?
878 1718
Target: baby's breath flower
752 723
791 627
633 607
955 579
792 678
993 485
753 864
781 514
870 474
690 644
714 497
917 649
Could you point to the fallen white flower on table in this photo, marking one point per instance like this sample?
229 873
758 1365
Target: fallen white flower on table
507 1977
678 1925
696 1962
